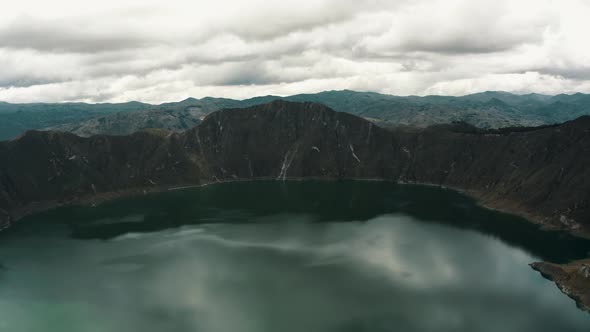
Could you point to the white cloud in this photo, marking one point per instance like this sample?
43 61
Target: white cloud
153 51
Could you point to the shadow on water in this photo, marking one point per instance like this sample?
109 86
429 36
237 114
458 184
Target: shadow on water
247 202
296 256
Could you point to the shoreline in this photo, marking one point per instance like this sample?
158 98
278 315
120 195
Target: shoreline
572 279
576 288
99 198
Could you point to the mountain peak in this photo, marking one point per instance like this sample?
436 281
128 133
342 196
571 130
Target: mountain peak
189 100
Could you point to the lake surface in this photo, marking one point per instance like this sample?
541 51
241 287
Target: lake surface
294 256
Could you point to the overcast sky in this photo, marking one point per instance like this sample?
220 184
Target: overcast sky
157 51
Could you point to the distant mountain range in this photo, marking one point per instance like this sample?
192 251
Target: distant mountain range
485 110
18 118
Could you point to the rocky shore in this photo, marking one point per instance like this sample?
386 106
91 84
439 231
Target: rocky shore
572 279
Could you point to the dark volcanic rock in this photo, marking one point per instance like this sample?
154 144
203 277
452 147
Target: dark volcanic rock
543 174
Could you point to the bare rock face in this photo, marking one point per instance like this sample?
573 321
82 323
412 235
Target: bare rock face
584 270
4 220
542 173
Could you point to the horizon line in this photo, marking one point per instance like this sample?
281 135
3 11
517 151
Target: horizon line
298 94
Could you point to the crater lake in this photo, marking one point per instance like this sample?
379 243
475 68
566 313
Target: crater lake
284 256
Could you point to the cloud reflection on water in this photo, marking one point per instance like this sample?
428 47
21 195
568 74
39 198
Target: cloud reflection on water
285 272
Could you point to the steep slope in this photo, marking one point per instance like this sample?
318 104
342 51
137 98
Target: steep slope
541 173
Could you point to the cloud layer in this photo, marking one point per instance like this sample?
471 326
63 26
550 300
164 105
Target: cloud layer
149 51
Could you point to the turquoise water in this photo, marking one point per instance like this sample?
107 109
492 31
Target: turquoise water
295 256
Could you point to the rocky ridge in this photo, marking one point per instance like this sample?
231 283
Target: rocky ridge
540 173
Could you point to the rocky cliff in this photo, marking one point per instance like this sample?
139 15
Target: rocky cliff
543 174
